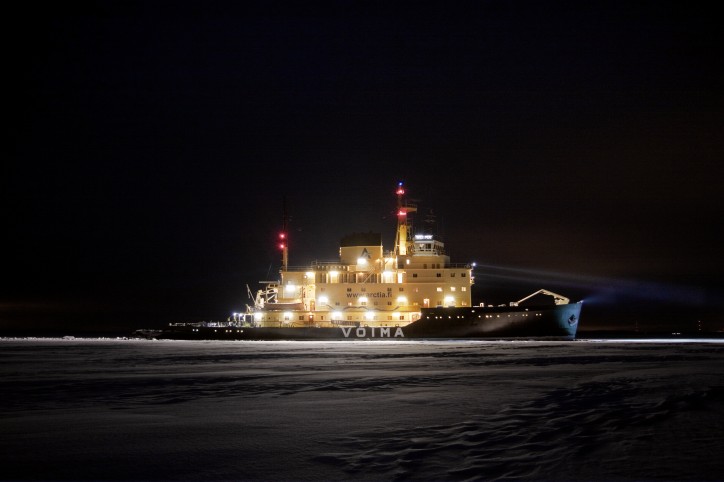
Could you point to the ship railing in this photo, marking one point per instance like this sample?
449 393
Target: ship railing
345 323
319 264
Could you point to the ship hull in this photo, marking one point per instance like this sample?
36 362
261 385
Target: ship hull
558 322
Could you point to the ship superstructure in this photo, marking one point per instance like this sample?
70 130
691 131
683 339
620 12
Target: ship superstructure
367 286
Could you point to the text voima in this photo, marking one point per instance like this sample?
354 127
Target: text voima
372 332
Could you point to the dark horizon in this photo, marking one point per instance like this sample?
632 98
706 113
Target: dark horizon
567 146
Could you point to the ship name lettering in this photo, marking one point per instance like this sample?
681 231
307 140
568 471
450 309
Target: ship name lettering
382 332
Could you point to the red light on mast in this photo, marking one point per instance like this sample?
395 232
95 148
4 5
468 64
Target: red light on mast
282 240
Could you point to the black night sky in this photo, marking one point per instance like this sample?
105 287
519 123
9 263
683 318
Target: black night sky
573 146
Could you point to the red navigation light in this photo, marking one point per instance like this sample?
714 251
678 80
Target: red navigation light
401 212
400 191
282 235
282 245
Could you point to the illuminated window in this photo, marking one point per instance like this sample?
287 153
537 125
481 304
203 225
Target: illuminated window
439 289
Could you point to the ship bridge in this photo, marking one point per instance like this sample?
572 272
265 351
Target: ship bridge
427 245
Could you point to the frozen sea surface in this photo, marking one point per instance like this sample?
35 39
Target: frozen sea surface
473 410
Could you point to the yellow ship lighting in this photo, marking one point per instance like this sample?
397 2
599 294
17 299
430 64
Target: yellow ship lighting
362 261
363 299
323 300
402 300
309 275
289 288
287 315
257 316
336 315
369 316
387 276
449 300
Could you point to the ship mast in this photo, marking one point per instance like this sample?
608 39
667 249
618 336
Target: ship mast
402 210
283 238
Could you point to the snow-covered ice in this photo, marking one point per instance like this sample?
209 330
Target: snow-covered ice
445 410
